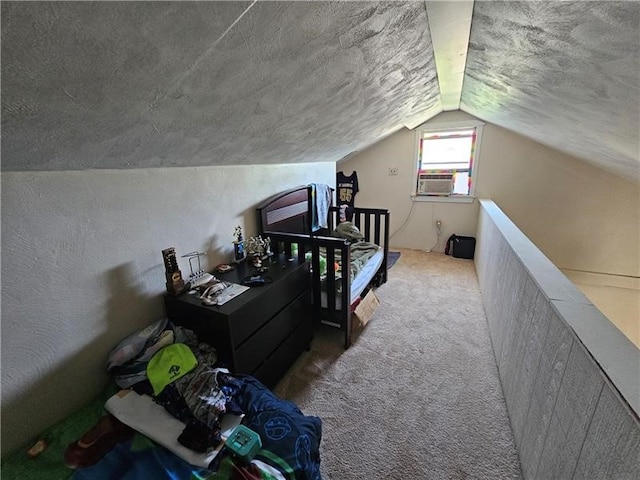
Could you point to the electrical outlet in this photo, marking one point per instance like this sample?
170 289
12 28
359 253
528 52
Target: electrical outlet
438 225
393 170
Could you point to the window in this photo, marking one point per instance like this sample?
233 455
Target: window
447 160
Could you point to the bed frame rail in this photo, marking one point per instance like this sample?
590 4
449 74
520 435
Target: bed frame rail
373 223
335 248
286 218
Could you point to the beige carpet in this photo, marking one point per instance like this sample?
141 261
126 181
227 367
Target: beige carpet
417 395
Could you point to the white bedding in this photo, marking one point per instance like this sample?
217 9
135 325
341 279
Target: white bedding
141 413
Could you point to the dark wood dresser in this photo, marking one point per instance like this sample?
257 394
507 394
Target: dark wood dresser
260 332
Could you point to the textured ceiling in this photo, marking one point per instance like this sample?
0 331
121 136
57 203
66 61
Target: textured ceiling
566 74
158 84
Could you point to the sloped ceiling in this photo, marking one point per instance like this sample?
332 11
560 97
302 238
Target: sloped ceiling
161 84
566 74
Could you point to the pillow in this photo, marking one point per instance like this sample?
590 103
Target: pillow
134 344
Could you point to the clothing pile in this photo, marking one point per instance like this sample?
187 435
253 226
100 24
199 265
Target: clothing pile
177 387
168 363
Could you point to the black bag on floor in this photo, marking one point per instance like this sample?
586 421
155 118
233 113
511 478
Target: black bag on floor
460 246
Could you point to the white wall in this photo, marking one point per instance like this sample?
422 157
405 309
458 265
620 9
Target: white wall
583 218
82 267
411 222
377 188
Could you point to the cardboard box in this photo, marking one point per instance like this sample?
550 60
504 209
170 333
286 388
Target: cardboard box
364 310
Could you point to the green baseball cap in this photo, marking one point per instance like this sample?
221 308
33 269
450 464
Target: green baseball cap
169 364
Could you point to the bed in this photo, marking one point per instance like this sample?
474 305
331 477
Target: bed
136 431
288 219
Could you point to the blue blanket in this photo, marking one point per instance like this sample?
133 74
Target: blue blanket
290 439
290 444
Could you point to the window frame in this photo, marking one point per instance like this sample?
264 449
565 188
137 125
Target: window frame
475 160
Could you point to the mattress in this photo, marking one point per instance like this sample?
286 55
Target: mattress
360 282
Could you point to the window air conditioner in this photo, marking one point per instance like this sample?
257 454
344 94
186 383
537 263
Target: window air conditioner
435 183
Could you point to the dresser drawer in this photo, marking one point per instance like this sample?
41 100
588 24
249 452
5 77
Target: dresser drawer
276 365
267 338
273 297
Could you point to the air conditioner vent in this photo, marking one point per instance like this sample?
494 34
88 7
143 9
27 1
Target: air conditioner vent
435 183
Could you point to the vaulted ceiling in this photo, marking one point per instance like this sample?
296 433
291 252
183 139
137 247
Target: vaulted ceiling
162 84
